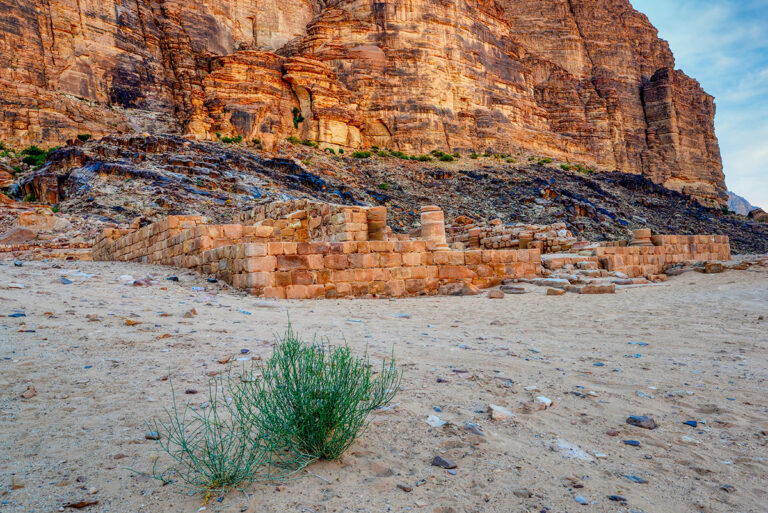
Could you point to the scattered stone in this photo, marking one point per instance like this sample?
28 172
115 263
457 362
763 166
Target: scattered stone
92 318
15 286
17 484
616 498
728 488
119 456
435 421
152 435
225 359
65 281
691 423
633 443
18 263
499 412
29 393
473 428
571 451
511 289
212 280
131 322
546 402
17 315
523 493
190 391
581 500
642 421
190 314
404 487
172 278
555 292
688 440
635 479
495 294
81 504
612 432
439 461
598 289
144 282
713 267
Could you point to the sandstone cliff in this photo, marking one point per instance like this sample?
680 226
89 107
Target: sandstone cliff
587 80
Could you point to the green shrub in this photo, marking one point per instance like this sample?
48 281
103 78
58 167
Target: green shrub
374 148
297 117
456 155
84 137
293 139
341 151
487 154
199 182
229 140
437 153
215 446
314 400
34 156
531 158
33 151
399 154
510 161
382 153
330 150
424 158
218 135
565 167
256 141
545 160
473 156
311 144
29 198
446 158
55 209
384 186
361 154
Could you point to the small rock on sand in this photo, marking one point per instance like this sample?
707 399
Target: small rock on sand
439 461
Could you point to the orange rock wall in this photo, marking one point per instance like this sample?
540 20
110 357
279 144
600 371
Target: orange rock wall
583 80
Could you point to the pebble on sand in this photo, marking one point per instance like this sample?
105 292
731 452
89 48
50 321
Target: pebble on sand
439 461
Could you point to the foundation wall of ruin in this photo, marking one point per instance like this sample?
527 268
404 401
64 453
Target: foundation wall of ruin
636 261
306 270
495 235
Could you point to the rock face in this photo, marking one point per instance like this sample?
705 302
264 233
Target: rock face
580 79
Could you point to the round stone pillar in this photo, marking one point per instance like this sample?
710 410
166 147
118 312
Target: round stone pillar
433 226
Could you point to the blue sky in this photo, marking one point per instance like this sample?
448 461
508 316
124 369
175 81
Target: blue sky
724 45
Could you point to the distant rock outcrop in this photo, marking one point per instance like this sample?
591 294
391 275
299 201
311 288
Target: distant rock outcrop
579 79
738 204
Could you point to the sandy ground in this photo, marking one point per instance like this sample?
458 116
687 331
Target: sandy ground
97 382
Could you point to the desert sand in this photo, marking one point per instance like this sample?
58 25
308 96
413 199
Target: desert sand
693 348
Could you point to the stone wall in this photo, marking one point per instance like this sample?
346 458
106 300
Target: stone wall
635 261
552 238
304 249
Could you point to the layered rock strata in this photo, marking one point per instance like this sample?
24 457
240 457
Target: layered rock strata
584 80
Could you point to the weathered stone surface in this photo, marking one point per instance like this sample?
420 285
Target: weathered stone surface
577 79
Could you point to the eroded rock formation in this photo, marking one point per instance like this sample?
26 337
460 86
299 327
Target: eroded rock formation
585 80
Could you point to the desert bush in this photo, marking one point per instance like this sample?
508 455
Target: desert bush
84 137
297 117
214 446
473 155
29 198
311 144
361 154
531 158
374 148
382 153
446 158
313 400
384 186
437 153
399 154
230 140
456 155
424 158
330 150
256 141
565 167
545 160
293 139
55 209
341 151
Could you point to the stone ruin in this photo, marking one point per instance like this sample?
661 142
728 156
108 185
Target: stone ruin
303 249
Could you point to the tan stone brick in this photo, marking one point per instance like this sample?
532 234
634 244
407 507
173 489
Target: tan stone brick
259 279
261 264
336 261
291 262
302 277
297 292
